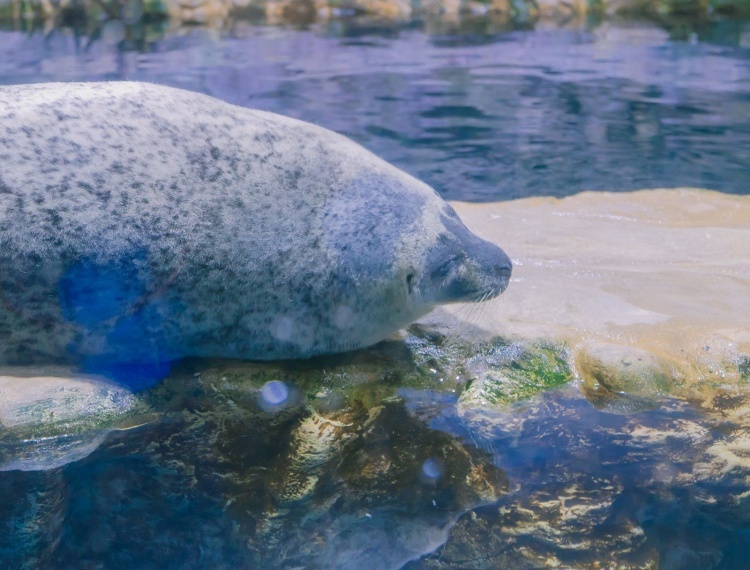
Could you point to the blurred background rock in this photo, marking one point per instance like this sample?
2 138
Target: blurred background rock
134 20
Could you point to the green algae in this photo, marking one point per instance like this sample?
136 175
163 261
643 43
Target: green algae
744 367
505 372
498 372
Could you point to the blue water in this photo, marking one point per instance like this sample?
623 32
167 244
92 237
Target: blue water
478 116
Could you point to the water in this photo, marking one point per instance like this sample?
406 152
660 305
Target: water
480 117
222 476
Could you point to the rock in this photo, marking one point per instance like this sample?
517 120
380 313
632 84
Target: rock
502 373
663 272
248 486
51 417
622 378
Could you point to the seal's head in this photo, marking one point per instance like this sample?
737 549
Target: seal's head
403 252
462 267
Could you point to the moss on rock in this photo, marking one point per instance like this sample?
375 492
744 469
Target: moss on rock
503 372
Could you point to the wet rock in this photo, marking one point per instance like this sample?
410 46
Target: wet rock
556 10
622 379
502 372
220 13
217 473
33 508
664 273
296 12
51 417
729 454
624 369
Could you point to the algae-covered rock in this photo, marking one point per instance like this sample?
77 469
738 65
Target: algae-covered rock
623 379
50 418
624 369
501 372
665 272
250 484
743 366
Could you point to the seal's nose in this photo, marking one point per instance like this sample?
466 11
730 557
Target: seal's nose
502 270
489 267
494 262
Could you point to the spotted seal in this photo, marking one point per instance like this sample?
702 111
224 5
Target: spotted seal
141 223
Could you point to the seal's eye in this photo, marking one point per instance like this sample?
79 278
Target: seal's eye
410 282
446 267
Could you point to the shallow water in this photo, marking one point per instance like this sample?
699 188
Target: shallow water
213 480
480 116
553 482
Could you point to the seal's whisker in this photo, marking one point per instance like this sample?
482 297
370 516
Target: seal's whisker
472 310
453 334
478 308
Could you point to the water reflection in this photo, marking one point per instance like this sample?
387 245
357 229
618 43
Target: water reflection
217 481
519 113
593 489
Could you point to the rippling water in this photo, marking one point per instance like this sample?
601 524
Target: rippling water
479 117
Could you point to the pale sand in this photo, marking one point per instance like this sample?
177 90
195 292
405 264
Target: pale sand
666 271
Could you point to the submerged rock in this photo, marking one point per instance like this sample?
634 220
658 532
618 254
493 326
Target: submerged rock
251 486
591 489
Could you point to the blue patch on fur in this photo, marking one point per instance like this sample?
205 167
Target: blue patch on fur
120 329
91 294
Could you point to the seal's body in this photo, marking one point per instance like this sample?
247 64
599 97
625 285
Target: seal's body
139 222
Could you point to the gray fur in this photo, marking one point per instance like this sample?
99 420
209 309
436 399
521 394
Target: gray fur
137 219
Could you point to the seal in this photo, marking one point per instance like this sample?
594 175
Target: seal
140 224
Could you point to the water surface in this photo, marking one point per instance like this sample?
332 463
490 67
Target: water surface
483 117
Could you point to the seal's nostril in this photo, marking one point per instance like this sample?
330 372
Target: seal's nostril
503 266
410 282
502 271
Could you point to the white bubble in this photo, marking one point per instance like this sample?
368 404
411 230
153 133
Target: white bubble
274 392
432 469
282 328
343 317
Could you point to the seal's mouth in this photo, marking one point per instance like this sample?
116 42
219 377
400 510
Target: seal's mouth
480 285
499 283
480 296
